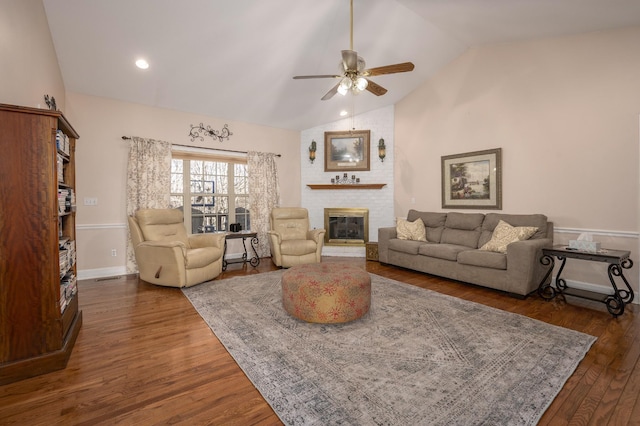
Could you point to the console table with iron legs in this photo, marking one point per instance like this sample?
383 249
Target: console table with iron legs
618 260
253 261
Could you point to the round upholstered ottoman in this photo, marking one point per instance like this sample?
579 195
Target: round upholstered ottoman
326 292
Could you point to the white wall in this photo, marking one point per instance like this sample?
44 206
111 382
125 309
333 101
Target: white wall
565 113
379 202
28 63
101 161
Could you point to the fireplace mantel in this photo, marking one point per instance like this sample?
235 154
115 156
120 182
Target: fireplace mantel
347 186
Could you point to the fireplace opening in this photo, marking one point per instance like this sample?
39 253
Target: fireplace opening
346 226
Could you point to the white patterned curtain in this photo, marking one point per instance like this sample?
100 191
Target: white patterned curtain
264 195
148 182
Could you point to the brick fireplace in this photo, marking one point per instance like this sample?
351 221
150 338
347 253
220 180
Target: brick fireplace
378 202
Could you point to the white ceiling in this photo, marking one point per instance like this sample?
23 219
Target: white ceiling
235 59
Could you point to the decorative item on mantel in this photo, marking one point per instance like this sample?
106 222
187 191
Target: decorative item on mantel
208 131
51 102
312 151
345 180
382 150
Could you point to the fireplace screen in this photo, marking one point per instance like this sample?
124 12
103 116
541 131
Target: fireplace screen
346 226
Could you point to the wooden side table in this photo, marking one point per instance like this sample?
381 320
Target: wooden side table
618 260
372 251
254 261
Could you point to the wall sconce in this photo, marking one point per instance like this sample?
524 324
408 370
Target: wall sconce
382 150
312 151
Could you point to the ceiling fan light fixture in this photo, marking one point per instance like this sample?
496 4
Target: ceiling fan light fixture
361 84
345 85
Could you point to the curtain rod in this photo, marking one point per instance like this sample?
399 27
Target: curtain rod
200 147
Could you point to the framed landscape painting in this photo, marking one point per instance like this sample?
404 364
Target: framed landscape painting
346 151
472 180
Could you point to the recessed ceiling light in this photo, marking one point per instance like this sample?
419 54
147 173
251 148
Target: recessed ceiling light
142 64
344 113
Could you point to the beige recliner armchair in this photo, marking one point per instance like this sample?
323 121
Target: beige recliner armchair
292 242
167 256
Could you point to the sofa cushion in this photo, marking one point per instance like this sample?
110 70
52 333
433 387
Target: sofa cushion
486 259
505 234
460 237
405 246
433 223
467 221
491 220
430 219
414 231
442 251
201 257
297 247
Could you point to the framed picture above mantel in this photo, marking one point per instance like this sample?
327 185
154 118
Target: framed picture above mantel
472 180
347 151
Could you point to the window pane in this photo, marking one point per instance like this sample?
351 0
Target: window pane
241 185
223 185
176 166
176 176
242 212
240 179
222 205
176 201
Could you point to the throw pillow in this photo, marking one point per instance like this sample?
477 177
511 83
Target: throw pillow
411 230
505 234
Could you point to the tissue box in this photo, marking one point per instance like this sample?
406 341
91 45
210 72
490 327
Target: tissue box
590 246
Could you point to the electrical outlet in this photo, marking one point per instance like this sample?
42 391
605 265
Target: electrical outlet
114 253
90 201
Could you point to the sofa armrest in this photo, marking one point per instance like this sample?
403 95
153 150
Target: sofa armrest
317 235
161 244
275 236
384 235
207 240
523 262
162 262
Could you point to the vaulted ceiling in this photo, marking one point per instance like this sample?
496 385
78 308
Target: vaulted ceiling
235 59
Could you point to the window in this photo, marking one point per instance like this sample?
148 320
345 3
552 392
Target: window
215 191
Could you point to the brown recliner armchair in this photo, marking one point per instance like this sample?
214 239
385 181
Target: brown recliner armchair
292 242
167 255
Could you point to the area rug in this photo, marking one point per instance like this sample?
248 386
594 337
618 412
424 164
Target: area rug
417 358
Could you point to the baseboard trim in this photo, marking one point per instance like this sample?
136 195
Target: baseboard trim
88 274
89 226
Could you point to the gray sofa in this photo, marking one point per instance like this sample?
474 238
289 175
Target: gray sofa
452 250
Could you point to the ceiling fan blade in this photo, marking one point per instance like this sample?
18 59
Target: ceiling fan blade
300 77
374 88
389 69
350 60
331 92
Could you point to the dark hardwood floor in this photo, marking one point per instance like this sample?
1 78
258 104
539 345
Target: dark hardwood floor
144 356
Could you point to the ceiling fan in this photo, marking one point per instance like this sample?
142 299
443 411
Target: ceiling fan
354 75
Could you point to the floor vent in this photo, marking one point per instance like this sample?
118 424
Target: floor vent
117 277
